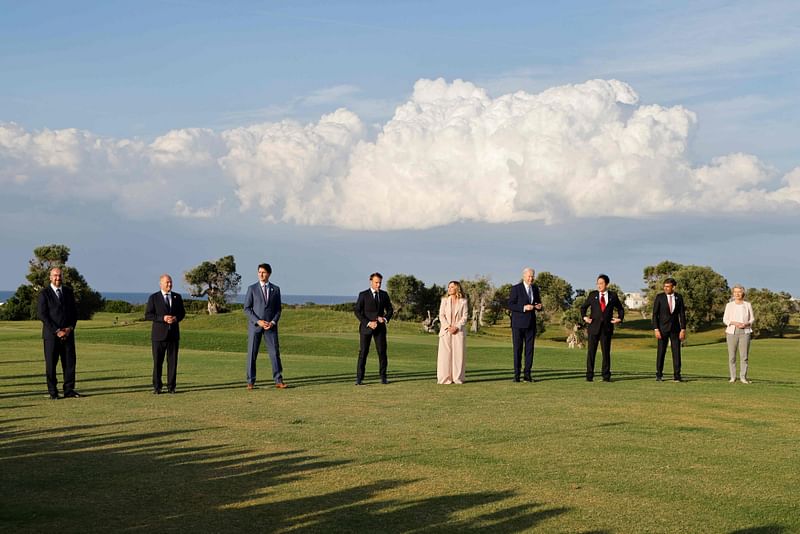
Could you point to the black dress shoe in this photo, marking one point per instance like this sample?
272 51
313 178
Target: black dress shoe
359 383
606 380
52 396
72 395
156 392
171 391
384 381
528 379
589 379
516 380
659 379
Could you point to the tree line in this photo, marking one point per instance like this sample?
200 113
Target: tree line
704 290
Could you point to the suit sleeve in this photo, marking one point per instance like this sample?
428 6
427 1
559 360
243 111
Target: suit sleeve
43 309
277 305
358 309
620 308
444 321
248 306
586 304
150 310
179 312
682 315
389 308
513 301
656 312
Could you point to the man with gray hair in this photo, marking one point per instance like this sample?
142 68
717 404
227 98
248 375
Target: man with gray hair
165 309
524 301
59 315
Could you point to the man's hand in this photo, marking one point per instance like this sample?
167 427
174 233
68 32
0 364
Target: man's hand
527 307
538 306
658 334
381 320
616 320
373 324
169 319
682 335
263 324
587 320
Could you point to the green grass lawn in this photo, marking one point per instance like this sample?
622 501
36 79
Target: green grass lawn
559 455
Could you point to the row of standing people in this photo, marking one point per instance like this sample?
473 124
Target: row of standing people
262 306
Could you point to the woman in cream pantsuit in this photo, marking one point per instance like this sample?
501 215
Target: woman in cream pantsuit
738 321
452 318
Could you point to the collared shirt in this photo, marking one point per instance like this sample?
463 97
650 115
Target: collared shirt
56 289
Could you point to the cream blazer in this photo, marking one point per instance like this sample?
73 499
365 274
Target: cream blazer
459 317
731 316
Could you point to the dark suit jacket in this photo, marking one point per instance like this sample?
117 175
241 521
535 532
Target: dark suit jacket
519 298
665 321
56 314
257 310
367 310
601 320
155 311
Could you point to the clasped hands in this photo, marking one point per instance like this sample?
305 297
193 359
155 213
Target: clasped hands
529 307
169 319
374 324
63 332
264 324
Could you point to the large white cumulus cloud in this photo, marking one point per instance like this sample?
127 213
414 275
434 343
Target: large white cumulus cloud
450 153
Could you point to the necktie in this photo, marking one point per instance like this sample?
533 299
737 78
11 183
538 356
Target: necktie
167 302
377 300
602 302
530 295
671 304
58 294
264 291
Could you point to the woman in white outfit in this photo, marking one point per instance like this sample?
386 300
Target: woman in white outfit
738 321
452 318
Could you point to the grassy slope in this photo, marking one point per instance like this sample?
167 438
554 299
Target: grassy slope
560 455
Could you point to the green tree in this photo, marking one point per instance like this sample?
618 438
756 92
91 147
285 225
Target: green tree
772 310
218 281
22 305
573 323
498 305
406 292
556 292
705 292
478 292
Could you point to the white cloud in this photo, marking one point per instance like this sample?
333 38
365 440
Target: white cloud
450 153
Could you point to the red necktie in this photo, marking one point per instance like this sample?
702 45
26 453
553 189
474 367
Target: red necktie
602 302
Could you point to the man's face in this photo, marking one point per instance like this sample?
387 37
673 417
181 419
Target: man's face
528 277
601 285
166 284
669 288
263 275
55 277
375 283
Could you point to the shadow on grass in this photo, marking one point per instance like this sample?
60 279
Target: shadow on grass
106 478
766 529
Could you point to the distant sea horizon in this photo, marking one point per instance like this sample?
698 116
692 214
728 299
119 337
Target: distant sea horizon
135 297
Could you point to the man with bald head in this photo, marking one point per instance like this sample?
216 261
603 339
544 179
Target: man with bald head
165 309
524 301
59 315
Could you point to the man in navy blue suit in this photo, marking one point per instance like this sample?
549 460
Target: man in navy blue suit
374 311
58 313
523 302
262 305
165 309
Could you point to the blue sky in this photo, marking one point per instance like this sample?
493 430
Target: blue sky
150 136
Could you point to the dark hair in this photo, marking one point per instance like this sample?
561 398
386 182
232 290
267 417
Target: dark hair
671 281
604 277
373 275
266 267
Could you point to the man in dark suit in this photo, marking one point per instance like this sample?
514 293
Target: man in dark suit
374 310
669 325
262 305
165 309
59 315
523 302
601 323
